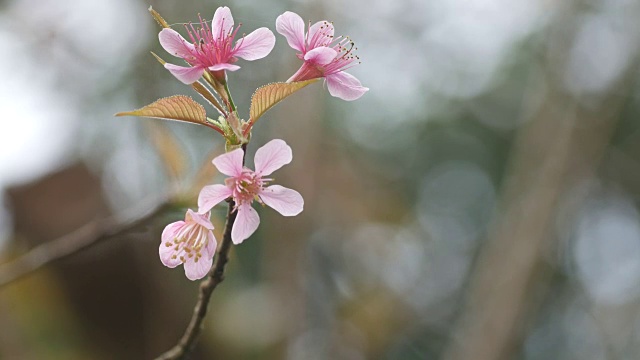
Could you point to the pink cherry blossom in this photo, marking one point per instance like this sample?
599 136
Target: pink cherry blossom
245 185
212 47
323 55
189 242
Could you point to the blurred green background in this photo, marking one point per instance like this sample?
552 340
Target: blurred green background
479 202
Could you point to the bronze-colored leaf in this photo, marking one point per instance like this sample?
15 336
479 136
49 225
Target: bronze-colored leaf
160 60
178 107
269 95
207 95
162 22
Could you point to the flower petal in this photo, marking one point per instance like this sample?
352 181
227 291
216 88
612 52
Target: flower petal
222 23
320 34
272 156
306 72
246 223
170 231
166 252
212 195
196 270
175 44
212 244
200 219
291 26
256 45
321 55
224 66
345 86
188 75
230 163
286 201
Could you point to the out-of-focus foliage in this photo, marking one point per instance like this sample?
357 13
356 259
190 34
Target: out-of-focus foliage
405 189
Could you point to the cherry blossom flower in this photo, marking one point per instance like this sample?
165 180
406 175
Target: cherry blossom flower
245 185
189 242
323 55
212 47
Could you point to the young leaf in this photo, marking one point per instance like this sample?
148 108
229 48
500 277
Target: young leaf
178 107
269 95
207 95
162 22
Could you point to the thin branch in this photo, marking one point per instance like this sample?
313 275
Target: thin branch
216 276
83 238
188 341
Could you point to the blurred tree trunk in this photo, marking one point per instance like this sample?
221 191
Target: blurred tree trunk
560 147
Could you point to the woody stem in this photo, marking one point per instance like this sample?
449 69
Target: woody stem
188 341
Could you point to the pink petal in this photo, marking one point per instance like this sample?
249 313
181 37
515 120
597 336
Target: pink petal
345 86
166 256
320 34
256 45
321 55
246 223
212 195
188 75
200 219
230 163
306 72
166 252
286 201
291 26
170 231
175 44
222 21
212 244
272 156
196 270
224 66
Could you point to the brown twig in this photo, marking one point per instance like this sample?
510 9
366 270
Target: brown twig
188 341
86 236
215 277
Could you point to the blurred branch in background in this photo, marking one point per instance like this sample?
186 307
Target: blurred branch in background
562 146
88 235
173 159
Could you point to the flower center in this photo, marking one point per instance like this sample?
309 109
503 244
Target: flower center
246 186
322 37
343 45
188 242
346 58
210 48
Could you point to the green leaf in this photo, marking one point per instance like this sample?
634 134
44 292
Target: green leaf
178 107
269 95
